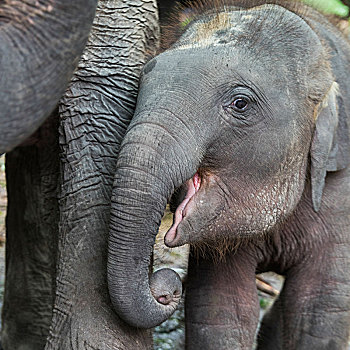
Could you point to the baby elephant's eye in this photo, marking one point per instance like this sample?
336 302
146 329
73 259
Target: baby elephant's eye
240 104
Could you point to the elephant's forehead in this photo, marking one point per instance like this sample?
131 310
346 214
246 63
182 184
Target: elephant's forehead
212 66
234 26
192 61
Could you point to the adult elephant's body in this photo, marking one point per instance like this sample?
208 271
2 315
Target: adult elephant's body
40 45
59 196
249 113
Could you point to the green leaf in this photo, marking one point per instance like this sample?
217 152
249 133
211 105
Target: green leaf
335 7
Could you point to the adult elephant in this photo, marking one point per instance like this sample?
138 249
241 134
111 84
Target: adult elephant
40 45
59 188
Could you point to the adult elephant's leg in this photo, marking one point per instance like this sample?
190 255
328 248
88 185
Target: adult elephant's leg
95 113
31 239
222 308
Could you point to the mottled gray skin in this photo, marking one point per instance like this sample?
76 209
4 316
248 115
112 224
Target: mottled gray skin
40 46
60 183
95 113
274 177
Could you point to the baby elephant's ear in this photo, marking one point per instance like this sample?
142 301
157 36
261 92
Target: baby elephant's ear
330 148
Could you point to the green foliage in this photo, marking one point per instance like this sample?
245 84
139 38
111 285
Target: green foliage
2 163
186 22
264 303
335 7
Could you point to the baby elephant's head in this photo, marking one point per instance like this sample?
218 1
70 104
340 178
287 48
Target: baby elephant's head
230 112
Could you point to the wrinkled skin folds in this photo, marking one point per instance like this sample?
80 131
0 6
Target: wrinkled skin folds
244 123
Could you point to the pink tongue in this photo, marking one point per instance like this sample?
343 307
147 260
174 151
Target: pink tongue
193 186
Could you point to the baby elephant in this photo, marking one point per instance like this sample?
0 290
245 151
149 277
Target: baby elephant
246 113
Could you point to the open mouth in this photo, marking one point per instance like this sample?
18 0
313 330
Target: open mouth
193 185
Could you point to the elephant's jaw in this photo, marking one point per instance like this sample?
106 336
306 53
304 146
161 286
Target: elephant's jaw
173 238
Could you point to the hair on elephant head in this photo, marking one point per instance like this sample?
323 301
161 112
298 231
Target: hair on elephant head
231 113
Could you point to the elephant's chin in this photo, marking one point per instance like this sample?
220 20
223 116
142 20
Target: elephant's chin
175 237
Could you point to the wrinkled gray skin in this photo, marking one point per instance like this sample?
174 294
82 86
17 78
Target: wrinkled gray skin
40 45
59 188
249 113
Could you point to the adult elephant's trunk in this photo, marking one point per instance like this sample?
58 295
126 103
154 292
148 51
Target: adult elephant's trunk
40 46
153 161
